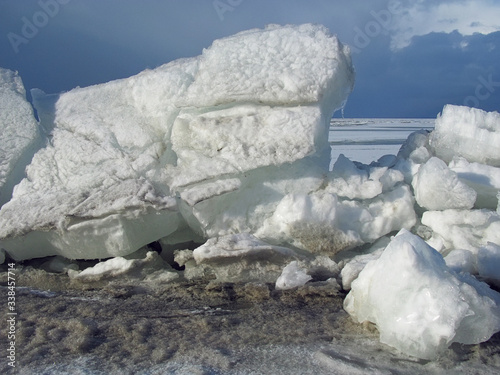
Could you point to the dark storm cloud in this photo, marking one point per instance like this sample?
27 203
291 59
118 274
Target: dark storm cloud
61 44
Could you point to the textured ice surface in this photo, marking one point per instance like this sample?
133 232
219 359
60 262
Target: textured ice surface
239 257
191 142
19 134
488 263
418 304
462 261
353 267
464 229
483 262
322 222
148 267
280 66
293 276
438 188
468 132
484 179
354 182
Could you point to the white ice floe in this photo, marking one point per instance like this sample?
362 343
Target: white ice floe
413 153
468 132
238 246
213 143
322 222
463 229
438 188
240 257
418 304
353 267
292 65
298 272
351 181
148 267
293 276
19 133
488 263
462 261
484 179
484 263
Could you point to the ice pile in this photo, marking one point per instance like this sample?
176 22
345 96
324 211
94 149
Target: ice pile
467 132
206 146
420 301
419 305
230 149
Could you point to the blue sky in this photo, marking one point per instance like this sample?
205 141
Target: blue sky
411 56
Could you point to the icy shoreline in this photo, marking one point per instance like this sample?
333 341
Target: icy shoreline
192 173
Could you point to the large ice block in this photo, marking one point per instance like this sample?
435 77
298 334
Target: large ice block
134 160
467 132
19 133
418 304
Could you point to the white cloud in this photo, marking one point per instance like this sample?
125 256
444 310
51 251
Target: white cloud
422 17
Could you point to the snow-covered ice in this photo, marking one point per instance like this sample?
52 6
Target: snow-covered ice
239 257
483 178
468 132
418 304
463 229
228 153
292 276
437 187
132 160
19 135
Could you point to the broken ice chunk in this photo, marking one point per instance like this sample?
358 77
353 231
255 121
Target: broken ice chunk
292 276
151 267
484 179
19 134
350 181
242 258
468 132
438 188
464 229
323 223
418 304
488 263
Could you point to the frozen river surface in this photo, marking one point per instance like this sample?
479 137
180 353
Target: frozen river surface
366 140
